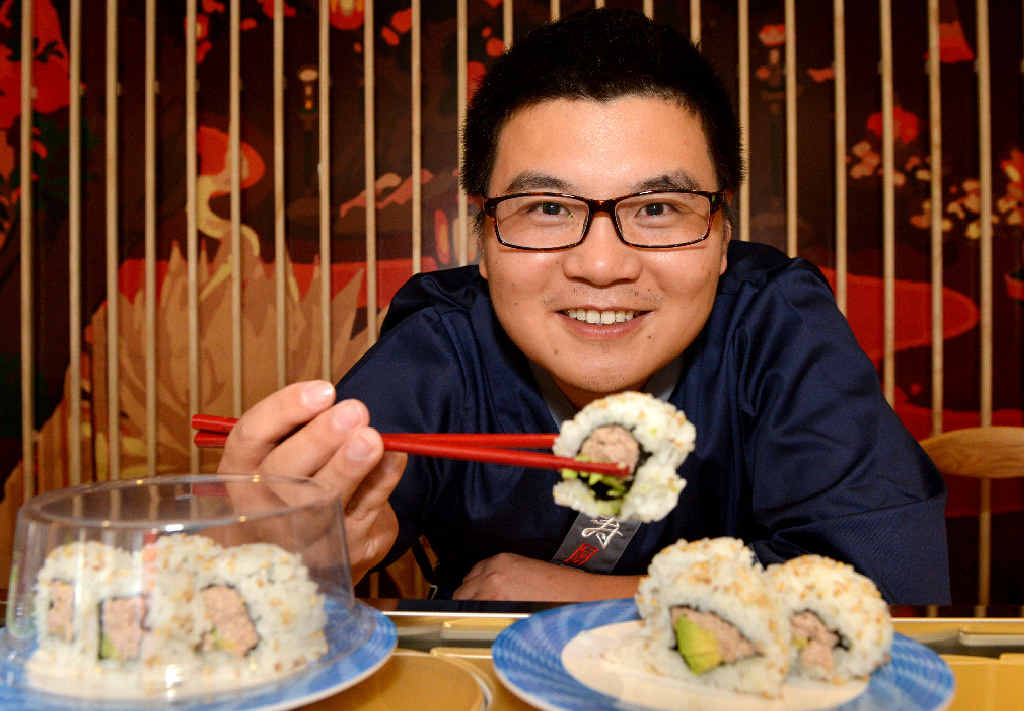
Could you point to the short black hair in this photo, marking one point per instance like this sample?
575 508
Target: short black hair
601 55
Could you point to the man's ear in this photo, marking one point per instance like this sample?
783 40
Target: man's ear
477 201
482 264
727 228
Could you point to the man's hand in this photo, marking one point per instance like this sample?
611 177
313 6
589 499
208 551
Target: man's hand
336 447
508 576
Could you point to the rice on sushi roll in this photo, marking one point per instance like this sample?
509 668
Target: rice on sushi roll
651 437
677 556
841 628
710 617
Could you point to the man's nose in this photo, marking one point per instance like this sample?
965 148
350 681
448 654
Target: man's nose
602 258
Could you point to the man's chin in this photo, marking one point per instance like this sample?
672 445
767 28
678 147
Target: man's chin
582 390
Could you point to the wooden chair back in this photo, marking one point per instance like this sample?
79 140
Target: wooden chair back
983 453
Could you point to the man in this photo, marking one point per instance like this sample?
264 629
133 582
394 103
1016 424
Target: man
603 151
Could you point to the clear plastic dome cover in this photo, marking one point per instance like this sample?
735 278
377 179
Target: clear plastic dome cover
178 587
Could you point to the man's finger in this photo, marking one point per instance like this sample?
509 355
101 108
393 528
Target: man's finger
311 449
271 419
374 491
350 462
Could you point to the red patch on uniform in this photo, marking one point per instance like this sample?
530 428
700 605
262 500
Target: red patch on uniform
581 555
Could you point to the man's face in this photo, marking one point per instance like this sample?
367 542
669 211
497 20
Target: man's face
603 150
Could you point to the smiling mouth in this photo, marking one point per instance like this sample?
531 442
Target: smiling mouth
594 316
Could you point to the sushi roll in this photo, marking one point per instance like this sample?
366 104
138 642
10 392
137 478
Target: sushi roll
650 437
841 628
261 609
709 617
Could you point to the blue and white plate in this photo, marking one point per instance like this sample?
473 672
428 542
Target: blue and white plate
528 658
320 681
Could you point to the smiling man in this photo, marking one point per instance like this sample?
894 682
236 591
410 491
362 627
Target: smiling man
603 151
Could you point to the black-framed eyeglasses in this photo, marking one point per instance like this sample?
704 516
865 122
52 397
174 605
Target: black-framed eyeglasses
649 219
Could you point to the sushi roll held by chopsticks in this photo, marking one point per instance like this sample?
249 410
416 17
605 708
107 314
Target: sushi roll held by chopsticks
650 437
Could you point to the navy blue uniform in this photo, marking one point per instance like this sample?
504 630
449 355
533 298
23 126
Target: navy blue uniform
797 450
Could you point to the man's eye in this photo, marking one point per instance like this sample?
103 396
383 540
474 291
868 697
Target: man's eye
660 209
552 208
548 208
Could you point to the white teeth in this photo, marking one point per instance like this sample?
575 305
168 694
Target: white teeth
600 317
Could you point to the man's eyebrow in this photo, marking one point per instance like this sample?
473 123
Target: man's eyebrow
529 180
679 180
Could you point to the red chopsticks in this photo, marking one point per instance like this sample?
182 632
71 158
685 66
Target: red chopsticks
493 448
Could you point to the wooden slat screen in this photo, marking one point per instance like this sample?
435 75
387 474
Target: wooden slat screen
95 448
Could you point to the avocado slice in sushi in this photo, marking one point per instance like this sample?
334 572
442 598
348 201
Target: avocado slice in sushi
698 646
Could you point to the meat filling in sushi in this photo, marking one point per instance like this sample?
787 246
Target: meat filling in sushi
705 640
817 643
58 617
609 443
233 630
122 622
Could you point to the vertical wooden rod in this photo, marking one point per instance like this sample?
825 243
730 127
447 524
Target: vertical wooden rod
792 217
28 462
324 76
695 21
280 207
556 10
462 22
743 40
192 221
984 547
507 23
416 77
150 236
839 68
370 170
985 180
113 294
234 158
888 207
935 139
75 244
